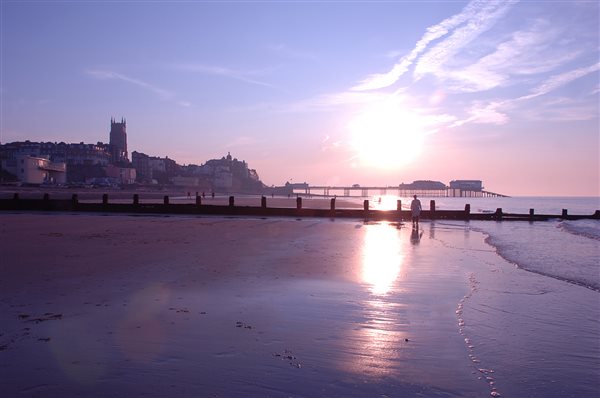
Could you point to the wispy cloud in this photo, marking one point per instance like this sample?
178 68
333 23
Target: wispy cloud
560 80
466 56
241 141
107 74
556 109
527 52
393 54
562 109
163 94
294 53
326 102
246 76
477 17
484 113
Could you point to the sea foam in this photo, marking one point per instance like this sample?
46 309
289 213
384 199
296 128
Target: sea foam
565 250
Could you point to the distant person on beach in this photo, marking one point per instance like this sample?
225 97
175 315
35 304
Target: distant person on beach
415 209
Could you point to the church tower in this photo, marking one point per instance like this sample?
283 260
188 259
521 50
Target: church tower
118 141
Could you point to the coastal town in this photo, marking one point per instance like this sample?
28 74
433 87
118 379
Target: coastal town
107 165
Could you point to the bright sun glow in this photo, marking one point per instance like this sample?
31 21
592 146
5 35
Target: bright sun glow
387 136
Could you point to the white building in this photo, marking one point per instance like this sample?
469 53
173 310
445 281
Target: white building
36 170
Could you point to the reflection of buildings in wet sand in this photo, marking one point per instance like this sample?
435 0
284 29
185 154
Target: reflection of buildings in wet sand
379 338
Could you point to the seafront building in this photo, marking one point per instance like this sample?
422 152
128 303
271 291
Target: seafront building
37 170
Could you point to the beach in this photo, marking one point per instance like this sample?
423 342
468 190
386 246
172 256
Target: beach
117 305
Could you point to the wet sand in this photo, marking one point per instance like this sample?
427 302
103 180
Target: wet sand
237 307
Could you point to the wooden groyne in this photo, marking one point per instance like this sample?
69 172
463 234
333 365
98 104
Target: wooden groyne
46 203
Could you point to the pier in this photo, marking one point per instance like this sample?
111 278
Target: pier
198 206
365 192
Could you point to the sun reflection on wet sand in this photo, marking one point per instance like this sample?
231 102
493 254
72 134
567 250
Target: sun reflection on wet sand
380 338
381 257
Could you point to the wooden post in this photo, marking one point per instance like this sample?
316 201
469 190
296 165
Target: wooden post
166 199
263 202
468 208
531 213
298 203
16 196
74 199
198 200
499 214
564 213
366 208
332 204
432 209
105 199
399 205
231 201
136 199
46 196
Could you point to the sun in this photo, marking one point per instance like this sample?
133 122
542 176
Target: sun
386 136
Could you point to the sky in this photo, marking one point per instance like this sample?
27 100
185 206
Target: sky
324 92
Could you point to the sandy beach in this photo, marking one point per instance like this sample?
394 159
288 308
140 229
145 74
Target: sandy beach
236 307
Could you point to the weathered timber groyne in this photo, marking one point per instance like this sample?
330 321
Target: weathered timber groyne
231 209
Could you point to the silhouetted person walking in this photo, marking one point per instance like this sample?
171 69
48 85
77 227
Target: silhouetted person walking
415 209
